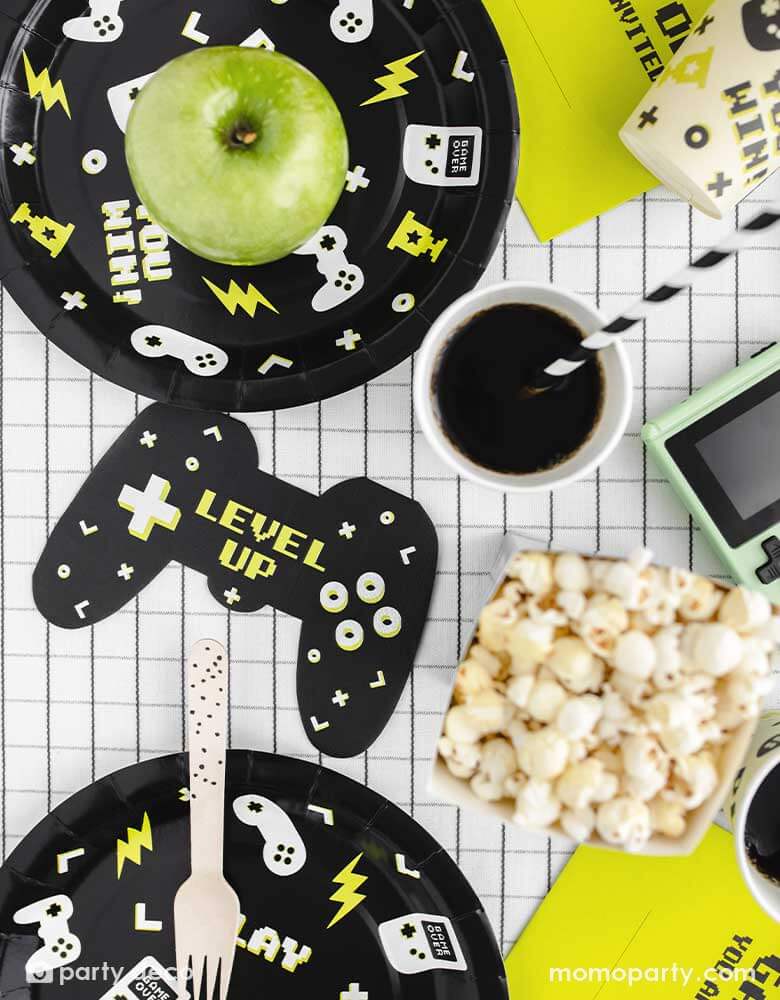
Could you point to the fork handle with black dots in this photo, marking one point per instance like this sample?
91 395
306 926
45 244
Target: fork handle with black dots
207 694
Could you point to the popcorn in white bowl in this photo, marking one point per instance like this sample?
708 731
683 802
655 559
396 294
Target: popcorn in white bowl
608 701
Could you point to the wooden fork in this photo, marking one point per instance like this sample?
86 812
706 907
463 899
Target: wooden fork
206 909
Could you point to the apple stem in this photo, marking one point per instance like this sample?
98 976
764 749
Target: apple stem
243 136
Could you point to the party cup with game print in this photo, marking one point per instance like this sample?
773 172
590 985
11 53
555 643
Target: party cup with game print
752 808
708 126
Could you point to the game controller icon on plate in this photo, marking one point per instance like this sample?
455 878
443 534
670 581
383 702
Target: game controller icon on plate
284 852
342 279
356 564
101 24
443 156
121 97
198 356
60 946
352 20
420 942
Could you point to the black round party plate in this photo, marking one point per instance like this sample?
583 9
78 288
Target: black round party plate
378 911
427 98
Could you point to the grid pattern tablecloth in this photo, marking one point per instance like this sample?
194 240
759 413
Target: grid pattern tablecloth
77 705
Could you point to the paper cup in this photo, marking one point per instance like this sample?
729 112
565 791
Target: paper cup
763 756
618 387
709 127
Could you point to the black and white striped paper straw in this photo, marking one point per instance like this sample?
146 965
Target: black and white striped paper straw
643 307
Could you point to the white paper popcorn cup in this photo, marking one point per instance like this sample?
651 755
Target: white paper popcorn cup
446 787
709 127
763 756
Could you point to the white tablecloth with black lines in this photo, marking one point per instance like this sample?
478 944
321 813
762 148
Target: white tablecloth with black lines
79 704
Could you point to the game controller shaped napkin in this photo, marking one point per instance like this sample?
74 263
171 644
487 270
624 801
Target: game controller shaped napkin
356 564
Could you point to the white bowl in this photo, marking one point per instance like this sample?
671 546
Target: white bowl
444 785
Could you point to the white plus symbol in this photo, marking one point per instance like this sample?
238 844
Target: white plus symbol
73 300
353 993
340 698
148 507
125 571
148 439
348 340
22 154
357 179
347 530
232 596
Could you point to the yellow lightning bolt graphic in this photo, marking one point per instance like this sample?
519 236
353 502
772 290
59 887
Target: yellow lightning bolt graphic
392 83
235 296
349 881
40 83
130 849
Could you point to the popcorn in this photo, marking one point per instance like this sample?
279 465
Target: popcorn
700 601
603 620
497 763
470 679
490 710
578 823
572 603
744 610
644 758
624 821
714 648
536 805
489 660
624 581
598 694
693 780
577 717
543 754
634 689
493 623
518 689
571 572
669 710
517 732
667 818
755 661
680 741
572 662
545 700
460 726
586 782
679 582
640 559
462 759
533 570
740 699
770 632
668 657
634 654
528 642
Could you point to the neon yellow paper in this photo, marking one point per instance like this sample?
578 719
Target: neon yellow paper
613 911
579 70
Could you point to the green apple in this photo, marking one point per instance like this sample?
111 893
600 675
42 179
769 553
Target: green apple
239 153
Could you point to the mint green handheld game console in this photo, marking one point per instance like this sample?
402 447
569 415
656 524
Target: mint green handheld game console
720 450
